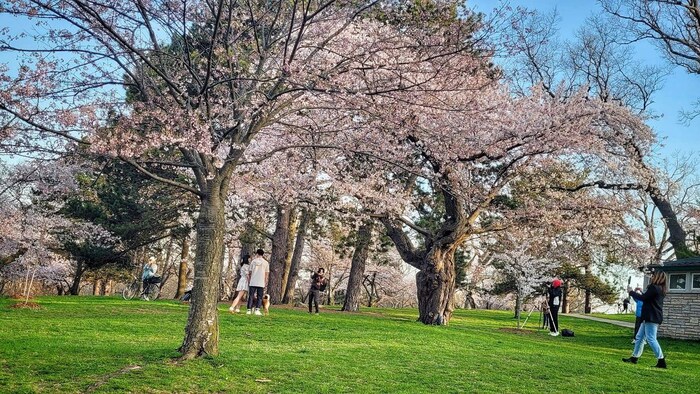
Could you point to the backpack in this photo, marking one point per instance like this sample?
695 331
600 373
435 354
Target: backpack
567 333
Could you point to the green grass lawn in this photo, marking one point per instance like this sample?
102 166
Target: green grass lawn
93 344
628 317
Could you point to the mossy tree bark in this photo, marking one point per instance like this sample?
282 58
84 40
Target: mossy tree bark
202 330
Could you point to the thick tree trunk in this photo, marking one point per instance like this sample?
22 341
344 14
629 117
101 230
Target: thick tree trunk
436 286
435 281
518 307
182 270
202 330
279 254
676 233
290 285
357 268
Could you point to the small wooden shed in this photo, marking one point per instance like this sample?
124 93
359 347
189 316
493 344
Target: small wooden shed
682 303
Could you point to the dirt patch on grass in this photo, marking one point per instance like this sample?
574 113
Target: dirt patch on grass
26 305
517 331
104 379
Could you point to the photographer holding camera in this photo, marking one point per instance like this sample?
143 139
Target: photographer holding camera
554 295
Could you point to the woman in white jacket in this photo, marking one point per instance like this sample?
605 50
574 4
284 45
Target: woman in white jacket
242 287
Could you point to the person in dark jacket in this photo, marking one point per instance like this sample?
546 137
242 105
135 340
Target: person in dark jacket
652 317
318 284
554 302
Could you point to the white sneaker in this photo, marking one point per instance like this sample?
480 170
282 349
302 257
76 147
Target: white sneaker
554 334
257 312
248 312
232 310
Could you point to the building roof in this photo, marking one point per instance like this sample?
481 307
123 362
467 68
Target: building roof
687 264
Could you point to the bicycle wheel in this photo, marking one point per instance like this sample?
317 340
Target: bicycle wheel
130 291
152 292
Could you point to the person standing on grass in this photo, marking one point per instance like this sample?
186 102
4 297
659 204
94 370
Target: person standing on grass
625 305
318 284
257 280
242 287
652 317
637 314
554 293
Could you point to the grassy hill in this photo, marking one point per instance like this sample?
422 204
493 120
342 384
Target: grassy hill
97 344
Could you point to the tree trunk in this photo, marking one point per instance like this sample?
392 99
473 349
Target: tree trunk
75 286
279 254
182 270
518 307
676 234
587 293
329 291
369 280
436 286
202 330
435 281
469 301
249 239
564 299
296 258
291 238
232 273
357 268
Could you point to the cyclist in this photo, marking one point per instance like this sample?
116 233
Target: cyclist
149 275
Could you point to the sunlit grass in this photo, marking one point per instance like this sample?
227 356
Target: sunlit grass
90 344
628 317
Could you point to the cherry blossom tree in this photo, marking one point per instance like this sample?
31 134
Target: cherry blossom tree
35 237
462 136
527 271
194 104
600 62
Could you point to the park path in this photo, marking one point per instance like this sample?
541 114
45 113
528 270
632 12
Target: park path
600 319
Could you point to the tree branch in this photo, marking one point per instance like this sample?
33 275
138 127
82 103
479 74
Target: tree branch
161 179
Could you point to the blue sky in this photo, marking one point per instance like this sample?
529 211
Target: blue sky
680 88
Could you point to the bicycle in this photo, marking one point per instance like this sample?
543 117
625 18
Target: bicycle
150 292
